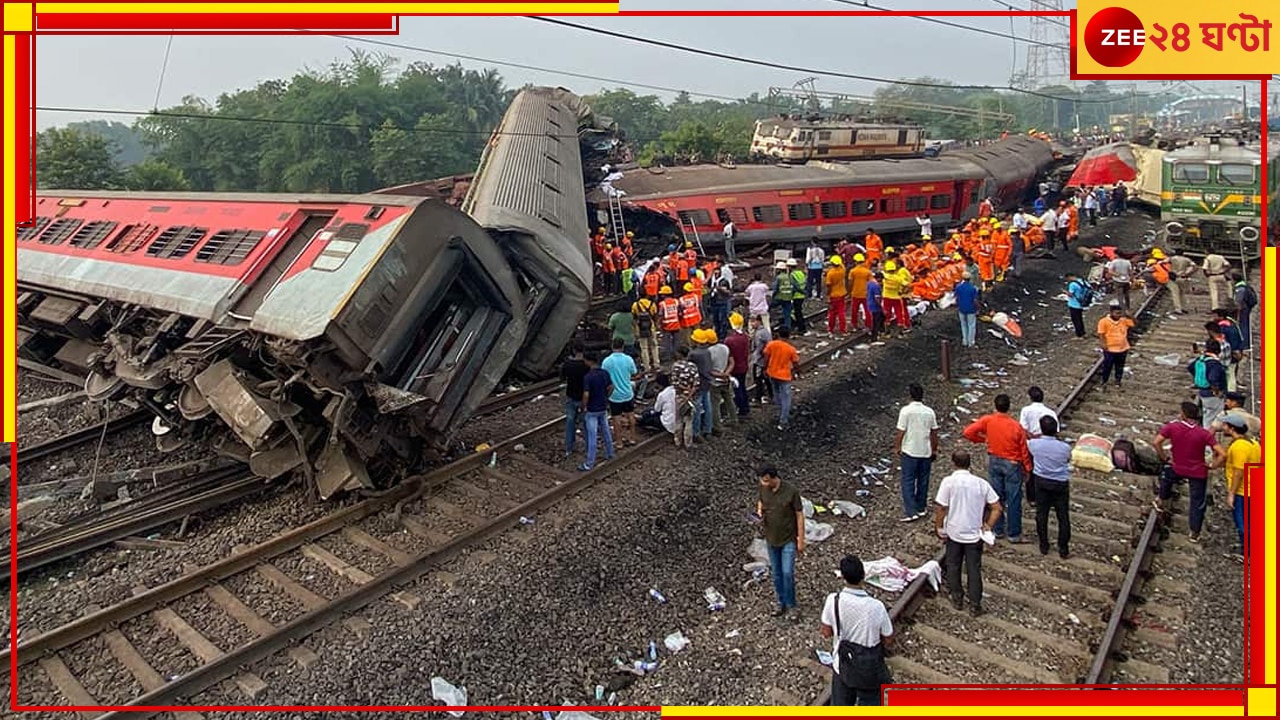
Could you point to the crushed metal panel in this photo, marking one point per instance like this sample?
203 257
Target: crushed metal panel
338 471
391 400
249 415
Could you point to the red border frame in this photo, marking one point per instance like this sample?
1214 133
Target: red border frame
373 24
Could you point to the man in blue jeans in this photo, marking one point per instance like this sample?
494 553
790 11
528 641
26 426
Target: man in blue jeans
596 387
967 305
782 513
1007 459
916 446
572 372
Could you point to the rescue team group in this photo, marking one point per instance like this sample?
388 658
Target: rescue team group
705 383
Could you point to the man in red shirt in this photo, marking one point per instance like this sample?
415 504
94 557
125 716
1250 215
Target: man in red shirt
739 345
1188 441
1007 459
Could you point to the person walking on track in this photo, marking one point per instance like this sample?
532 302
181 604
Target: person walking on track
967 507
782 515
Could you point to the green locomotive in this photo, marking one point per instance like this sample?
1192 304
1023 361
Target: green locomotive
1211 198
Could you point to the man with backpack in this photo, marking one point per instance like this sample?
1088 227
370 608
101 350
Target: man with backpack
1210 378
860 629
644 313
1079 295
1227 333
1184 461
1246 300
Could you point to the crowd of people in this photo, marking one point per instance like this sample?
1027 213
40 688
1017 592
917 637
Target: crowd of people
701 364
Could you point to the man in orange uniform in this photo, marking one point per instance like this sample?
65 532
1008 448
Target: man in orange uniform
1073 221
985 254
874 246
859 276
652 282
837 289
621 264
669 321
1034 236
626 245
690 312
1002 250
953 244
985 208
608 271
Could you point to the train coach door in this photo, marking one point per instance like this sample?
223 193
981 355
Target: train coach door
960 199
298 231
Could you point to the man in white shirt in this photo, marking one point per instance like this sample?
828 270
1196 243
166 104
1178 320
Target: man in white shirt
814 258
758 300
926 226
854 617
1049 223
723 272
1091 207
730 232
916 446
968 507
663 414
1030 416
1021 221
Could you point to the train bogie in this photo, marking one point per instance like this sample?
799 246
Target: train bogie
1211 199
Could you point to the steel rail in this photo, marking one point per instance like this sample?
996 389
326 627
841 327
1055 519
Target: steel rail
31 453
915 594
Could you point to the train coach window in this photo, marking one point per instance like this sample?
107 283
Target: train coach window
916 203
695 217
864 207
30 230
801 211
176 241
767 213
824 135
60 230
1191 173
940 202
132 237
834 209
735 215
888 206
1236 174
92 234
229 247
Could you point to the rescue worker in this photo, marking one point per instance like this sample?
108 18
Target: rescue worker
985 208
895 284
859 275
1001 250
1158 272
874 245
952 245
798 280
1073 222
836 282
609 270
984 254
644 316
626 244
1181 268
652 283
669 321
783 292
690 312
1033 237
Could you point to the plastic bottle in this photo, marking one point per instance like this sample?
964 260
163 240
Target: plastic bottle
653 651
653 593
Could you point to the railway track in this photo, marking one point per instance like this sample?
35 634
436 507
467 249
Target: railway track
1093 617
324 571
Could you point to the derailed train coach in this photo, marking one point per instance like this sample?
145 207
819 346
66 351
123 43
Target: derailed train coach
341 337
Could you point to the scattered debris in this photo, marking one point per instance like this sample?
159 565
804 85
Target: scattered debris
449 694
715 601
849 509
676 641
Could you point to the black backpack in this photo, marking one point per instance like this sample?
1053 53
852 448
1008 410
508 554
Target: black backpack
861 667
644 318
1250 297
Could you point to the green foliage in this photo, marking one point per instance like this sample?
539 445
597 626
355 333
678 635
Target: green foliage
155 175
127 145
71 159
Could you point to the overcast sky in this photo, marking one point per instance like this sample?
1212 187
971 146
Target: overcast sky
123 72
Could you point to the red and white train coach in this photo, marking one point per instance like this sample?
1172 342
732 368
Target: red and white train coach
316 328
777 203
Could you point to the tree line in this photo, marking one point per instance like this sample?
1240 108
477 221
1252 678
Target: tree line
363 123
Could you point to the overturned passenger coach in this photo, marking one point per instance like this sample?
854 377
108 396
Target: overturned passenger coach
341 337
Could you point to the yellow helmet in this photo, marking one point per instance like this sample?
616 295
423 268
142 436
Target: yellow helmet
687 244
666 290
957 256
1151 261
630 234
608 246
688 287
601 230
926 238
891 266
735 320
890 250
860 258
835 260
1158 254
698 335
709 337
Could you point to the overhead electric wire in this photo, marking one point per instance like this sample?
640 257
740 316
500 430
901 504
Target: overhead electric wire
807 70
960 26
1046 18
164 66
